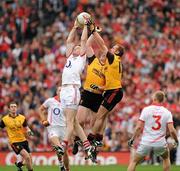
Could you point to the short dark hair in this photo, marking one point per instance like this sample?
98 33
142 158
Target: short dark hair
13 102
159 96
120 50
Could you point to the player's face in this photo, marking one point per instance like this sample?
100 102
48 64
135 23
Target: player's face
114 49
13 108
76 51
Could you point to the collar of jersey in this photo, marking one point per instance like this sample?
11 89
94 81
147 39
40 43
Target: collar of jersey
56 98
13 117
157 104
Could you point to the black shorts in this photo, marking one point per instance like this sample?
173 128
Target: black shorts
18 146
91 100
111 98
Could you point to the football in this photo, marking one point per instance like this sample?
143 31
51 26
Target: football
81 18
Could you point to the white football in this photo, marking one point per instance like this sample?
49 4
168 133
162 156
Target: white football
81 18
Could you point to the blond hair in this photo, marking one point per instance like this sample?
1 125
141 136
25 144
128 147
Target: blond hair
159 96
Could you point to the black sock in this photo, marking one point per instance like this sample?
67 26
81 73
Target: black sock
91 137
99 137
20 164
76 138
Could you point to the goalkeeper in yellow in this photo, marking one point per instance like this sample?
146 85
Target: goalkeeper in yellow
17 128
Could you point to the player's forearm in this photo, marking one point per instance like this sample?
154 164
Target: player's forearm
84 40
84 35
136 133
27 129
42 113
90 41
72 35
43 116
100 41
173 134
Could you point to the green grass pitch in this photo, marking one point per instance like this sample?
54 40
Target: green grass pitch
93 168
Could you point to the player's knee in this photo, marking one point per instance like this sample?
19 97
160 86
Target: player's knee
81 121
27 158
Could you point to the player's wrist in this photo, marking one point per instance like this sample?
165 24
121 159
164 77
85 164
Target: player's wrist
45 123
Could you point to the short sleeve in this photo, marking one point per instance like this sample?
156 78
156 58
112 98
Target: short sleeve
2 125
47 103
142 116
169 119
91 59
25 123
110 57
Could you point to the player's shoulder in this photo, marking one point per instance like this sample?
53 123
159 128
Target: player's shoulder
51 99
5 117
166 110
20 115
147 108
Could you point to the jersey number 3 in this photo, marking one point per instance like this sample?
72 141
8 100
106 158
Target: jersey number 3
157 121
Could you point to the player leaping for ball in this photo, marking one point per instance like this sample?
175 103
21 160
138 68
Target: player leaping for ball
52 117
154 122
70 93
91 95
113 88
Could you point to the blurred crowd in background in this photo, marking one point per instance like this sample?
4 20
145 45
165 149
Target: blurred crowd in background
32 55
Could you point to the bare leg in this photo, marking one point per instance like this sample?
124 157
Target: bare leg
80 132
55 141
27 158
82 115
132 165
70 118
166 161
100 120
66 160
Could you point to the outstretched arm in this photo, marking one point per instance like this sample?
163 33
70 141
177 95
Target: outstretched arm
84 40
89 50
71 40
100 42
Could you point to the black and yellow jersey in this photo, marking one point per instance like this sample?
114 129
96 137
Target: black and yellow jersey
113 72
95 75
14 127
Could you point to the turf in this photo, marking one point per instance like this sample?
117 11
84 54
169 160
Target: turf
93 168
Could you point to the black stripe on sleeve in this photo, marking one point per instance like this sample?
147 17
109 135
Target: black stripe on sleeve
25 123
110 57
91 59
2 125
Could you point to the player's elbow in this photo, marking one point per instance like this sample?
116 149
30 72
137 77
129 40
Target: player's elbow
139 130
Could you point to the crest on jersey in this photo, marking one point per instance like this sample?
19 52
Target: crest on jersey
56 111
68 64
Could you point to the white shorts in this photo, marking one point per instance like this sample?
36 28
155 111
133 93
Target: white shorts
70 96
56 131
144 150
